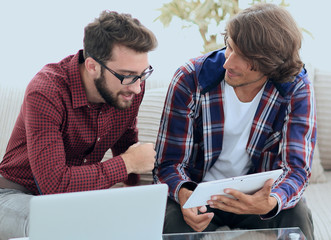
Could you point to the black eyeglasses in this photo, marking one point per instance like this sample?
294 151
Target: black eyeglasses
127 79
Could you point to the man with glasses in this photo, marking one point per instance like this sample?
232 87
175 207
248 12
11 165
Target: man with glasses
73 112
243 109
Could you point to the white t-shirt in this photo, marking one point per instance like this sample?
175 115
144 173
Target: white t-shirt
234 159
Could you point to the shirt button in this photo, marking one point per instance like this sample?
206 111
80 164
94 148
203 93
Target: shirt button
85 160
98 139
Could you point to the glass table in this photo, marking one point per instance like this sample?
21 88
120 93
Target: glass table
256 234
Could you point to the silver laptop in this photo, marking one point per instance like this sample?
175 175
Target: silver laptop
119 213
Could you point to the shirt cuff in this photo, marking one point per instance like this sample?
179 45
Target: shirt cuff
184 184
133 179
116 170
274 212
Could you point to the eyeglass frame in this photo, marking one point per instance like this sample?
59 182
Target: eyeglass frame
149 70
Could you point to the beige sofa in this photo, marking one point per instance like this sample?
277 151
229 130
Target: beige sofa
317 194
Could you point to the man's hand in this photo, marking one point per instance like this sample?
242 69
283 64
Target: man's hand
196 218
139 158
259 203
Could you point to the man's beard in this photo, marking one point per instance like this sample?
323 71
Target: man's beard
110 98
244 83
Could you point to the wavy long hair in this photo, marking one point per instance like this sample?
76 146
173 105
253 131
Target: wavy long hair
269 38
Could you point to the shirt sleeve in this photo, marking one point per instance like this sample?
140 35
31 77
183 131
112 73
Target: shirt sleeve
129 138
47 156
175 144
296 149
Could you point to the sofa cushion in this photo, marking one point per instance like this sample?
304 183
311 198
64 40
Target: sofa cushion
322 85
317 170
150 114
11 99
317 174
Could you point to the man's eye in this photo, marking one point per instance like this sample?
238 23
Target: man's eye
128 75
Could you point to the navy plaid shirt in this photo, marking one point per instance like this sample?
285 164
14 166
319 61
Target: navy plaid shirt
283 132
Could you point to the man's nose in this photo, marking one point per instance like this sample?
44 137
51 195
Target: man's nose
135 87
228 61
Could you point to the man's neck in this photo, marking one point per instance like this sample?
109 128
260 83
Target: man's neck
248 92
89 86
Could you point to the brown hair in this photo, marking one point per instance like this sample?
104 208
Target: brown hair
268 37
112 28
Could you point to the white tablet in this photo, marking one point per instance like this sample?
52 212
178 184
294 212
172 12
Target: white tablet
248 184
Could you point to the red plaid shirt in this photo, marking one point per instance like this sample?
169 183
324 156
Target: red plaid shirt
60 138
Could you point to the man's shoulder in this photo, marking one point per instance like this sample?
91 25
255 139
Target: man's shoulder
48 80
55 76
300 81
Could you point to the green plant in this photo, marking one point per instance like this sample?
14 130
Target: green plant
204 13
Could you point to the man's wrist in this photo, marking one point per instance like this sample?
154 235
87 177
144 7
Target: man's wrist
183 195
273 212
126 160
189 185
185 191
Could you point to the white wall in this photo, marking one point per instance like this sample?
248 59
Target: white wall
37 32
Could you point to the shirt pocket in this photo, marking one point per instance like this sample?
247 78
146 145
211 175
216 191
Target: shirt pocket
273 142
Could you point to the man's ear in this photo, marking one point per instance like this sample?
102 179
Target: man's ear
92 67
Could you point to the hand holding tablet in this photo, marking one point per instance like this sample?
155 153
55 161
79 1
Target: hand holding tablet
248 184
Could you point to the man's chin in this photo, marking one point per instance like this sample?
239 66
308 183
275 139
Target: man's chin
123 105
